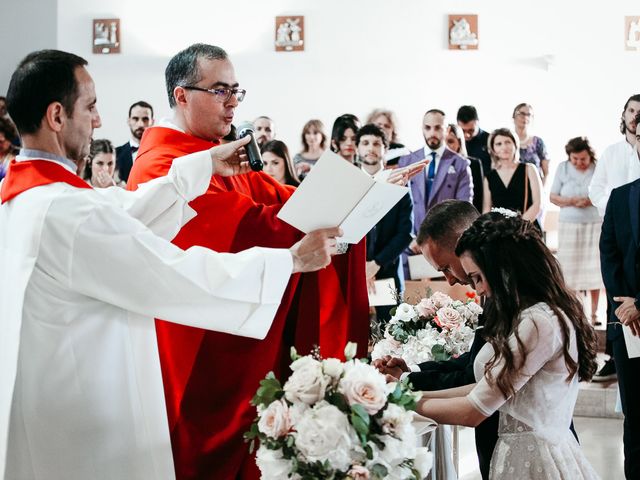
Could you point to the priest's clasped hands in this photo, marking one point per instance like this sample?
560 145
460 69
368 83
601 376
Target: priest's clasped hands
316 248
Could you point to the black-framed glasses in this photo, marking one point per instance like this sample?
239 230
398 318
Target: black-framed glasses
220 94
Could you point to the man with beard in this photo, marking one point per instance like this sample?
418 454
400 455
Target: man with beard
392 234
265 130
140 118
209 379
617 166
448 175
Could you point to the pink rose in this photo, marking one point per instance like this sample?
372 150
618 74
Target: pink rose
440 299
426 308
358 472
363 384
275 420
449 318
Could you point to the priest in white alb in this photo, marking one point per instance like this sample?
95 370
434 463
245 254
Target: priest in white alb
82 274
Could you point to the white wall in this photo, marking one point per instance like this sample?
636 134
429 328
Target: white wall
27 25
377 53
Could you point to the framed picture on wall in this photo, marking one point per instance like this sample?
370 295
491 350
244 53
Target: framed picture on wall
106 35
632 33
463 32
289 35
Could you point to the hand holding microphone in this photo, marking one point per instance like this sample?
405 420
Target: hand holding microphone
252 150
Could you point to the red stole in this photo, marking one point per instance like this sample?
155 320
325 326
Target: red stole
210 377
22 176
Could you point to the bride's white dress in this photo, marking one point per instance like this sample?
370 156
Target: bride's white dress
534 437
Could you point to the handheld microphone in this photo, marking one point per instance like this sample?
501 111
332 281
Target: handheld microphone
252 149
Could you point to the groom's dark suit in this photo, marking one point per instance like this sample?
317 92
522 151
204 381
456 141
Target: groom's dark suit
619 244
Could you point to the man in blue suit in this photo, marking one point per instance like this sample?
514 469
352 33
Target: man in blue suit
447 176
140 118
619 261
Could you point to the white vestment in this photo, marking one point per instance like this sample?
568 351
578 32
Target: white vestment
82 275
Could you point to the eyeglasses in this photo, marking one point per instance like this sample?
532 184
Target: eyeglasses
524 114
221 94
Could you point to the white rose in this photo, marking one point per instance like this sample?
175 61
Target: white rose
296 411
396 451
271 464
275 421
332 367
363 384
396 421
404 313
423 461
449 318
307 382
441 300
324 434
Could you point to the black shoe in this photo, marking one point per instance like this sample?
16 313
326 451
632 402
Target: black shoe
607 373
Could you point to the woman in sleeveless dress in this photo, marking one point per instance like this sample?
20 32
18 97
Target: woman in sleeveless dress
539 346
511 184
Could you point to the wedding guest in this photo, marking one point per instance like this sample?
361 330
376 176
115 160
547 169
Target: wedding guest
99 170
277 163
532 148
343 136
314 143
387 121
475 138
455 141
617 166
392 234
265 130
8 150
580 223
511 184
539 346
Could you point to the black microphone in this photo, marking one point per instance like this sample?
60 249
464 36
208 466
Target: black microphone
252 149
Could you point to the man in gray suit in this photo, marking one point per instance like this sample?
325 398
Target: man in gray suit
447 176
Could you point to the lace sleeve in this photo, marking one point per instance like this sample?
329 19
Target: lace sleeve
540 334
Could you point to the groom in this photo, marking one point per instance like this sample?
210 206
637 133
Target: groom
437 239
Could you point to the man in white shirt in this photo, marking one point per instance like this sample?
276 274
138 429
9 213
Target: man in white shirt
83 274
619 162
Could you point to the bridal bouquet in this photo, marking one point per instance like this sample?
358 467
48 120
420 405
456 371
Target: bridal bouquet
437 328
336 420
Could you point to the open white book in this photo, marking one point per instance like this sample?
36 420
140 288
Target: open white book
336 193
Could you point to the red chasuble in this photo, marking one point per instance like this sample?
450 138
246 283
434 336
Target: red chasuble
210 377
22 176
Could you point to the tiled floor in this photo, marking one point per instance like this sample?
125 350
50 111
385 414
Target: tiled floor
600 438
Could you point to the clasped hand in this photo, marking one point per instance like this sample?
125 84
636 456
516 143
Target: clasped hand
628 314
391 367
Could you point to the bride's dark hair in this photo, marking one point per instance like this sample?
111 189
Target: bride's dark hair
520 272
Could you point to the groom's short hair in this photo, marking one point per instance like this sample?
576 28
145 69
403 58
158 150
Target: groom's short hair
446 222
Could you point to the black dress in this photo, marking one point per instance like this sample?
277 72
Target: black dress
512 195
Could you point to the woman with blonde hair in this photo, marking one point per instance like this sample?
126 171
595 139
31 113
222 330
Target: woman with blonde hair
511 184
387 121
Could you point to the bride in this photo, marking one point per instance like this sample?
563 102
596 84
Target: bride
539 345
